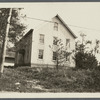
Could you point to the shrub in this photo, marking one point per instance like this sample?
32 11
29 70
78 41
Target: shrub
81 80
85 60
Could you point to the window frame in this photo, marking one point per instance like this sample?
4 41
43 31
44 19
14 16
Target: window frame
41 38
55 26
67 42
68 58
41 54
54 40
54 57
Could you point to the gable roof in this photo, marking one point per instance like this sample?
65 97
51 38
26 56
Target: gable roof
66 26
28 33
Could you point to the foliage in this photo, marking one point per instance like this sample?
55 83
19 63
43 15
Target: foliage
16 27
84 59
75 80
81 80
62 53
96 48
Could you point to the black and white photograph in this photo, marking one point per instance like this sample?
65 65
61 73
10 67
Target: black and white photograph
50 47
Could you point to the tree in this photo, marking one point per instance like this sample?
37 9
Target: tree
16 27
83 58
61 53
15 30
96 48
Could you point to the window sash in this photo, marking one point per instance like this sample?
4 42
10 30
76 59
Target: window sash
40 56
68 42
68 58
54 56
41 38
56 26
55 40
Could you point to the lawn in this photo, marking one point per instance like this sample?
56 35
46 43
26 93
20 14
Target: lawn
49 80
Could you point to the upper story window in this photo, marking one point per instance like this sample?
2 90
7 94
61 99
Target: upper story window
68 42
55 40
40 55
41 38
54 55
68 58
56 26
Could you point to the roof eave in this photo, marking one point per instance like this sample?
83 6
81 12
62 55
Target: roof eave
66 26
30 31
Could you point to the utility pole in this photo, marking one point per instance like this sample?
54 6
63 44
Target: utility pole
5 41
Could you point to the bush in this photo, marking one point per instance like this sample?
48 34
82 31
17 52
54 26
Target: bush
81 80
78 80
85 60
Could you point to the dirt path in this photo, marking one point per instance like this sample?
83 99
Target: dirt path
29 86
35 86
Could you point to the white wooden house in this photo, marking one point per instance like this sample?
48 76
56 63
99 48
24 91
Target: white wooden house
33 49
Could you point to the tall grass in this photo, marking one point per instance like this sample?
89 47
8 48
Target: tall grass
75 80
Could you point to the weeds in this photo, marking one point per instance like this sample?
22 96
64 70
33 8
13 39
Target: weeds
76 80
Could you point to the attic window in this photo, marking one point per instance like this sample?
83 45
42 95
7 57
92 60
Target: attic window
41 38
56 26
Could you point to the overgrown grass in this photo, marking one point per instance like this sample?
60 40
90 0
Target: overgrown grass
70 80
74 81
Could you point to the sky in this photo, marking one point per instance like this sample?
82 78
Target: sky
85 15
81 14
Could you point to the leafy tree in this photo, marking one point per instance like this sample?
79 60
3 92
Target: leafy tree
96 48
16 27
84 59
61 53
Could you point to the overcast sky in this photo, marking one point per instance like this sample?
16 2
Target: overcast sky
78 14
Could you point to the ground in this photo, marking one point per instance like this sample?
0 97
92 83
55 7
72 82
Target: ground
17 80
49 80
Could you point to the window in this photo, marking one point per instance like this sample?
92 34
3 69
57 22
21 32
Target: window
40 56
54 55
68 42
55 40
56 26
67 58
41 38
